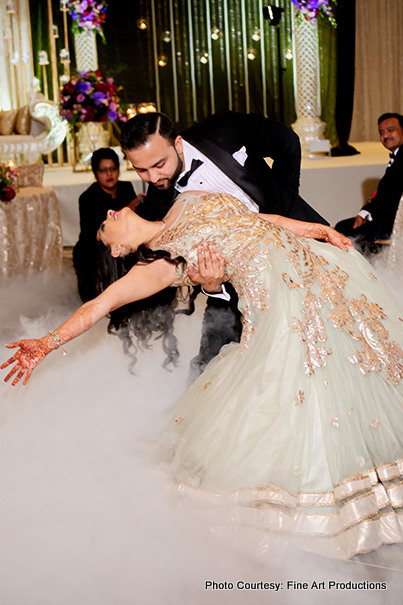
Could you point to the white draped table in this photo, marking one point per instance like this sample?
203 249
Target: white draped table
30 233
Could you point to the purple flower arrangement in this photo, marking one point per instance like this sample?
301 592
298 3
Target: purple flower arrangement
8 177
89 97
87 15
311 9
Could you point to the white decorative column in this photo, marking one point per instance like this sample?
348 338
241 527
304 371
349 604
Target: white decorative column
16 66
86 51
308 125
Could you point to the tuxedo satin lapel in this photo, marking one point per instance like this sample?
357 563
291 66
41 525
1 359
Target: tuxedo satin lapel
225 162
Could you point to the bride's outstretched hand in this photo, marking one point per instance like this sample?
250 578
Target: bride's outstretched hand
30 353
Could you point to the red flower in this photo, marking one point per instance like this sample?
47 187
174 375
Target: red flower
7 194
68 88
91 112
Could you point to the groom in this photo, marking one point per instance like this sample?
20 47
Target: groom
224 154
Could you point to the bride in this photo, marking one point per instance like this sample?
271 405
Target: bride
299 424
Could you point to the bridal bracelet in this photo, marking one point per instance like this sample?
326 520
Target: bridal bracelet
57 341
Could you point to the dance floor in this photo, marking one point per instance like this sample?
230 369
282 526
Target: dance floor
335 187
86 516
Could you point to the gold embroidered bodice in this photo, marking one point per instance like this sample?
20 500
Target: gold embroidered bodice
240 236
251 247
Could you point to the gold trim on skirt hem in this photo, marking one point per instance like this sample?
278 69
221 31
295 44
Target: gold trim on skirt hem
351 524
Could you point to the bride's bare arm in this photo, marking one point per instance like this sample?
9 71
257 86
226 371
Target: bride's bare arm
141 281
313 230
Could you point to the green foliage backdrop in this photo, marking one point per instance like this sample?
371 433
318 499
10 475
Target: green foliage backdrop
178 34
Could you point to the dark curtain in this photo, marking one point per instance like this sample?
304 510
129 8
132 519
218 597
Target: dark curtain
345 16
196 57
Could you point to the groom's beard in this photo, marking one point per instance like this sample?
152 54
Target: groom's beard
169 182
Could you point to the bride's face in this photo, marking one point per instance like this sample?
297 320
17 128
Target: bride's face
118 231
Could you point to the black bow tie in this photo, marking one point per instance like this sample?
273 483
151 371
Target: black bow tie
183 181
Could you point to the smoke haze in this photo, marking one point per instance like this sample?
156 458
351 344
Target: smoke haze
85 517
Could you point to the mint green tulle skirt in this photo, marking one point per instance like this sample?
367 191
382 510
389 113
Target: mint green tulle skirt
300 427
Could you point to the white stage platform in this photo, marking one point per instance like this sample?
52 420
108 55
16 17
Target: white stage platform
335 187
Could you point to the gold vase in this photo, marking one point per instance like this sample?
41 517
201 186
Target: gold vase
89 137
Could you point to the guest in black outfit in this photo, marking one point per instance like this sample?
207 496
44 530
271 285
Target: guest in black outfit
375 219
106 193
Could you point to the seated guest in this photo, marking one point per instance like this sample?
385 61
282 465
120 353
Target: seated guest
106 193
375 219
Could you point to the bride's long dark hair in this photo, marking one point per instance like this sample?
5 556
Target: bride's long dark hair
138 322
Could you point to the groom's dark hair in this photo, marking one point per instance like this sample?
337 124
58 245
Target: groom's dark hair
137 131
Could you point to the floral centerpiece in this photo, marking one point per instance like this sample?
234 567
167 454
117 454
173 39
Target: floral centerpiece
8 176
90 97
87 16
90 103
311 9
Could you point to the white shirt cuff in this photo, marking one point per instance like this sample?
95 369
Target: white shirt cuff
223 294
365 214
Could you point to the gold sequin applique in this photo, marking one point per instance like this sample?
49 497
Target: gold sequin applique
359 318
211 218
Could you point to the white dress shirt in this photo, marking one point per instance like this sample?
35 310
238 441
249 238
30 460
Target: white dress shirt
208 177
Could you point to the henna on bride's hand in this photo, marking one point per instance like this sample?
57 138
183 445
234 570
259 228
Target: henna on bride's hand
30 354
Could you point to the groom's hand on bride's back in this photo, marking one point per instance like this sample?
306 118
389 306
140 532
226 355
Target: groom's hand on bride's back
210 270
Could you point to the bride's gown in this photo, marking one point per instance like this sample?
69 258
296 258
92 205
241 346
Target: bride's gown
300 424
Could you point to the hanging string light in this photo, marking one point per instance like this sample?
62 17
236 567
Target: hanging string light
162 61
142 24
204 58
251 54
215 33
256 35
288 54
166 36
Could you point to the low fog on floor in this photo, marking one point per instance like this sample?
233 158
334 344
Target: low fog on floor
86 517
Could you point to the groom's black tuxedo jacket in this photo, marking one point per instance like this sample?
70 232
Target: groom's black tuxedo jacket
383 206
275 190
